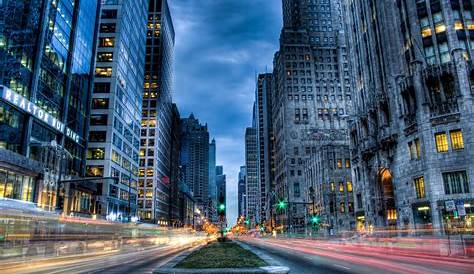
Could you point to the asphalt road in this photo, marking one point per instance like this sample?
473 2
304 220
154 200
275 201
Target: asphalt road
142 261
305 256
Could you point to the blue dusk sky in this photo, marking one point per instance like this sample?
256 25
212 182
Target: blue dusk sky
220 47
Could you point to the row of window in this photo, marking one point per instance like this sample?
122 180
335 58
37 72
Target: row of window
442 143
453 182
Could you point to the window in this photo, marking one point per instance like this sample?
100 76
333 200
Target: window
349 186
348 163
106 42
333 187
97 136
116 157
296 188
455 182
100 103
105 56
103 72
342 207
420 187
339 163
391 214
441 142
457 140
95 171
341 187
101 87
414 149
109 14
98 120
96 153
107 27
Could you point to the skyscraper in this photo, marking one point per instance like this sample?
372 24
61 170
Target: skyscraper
412 132
221 182
195 160
155 144
252 184
212 181
312 97
175 169
47 51
264 126
117 105
242 192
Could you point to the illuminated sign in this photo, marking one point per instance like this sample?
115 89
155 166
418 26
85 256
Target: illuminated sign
24 104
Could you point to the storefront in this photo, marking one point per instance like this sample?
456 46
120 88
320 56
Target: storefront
422 218
17 186
457 216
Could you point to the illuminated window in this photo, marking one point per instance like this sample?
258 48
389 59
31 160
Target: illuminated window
418 148
348 163
105 57
426 32
391 214
341 187
440 28
420 187
95 171
333 187
342 207
457 140
116 157
103 72
96 154
107 42
349 186
441 142
339 163
458 25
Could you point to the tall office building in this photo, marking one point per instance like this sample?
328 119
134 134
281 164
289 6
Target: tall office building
221 183
252 184
212 182
114 138
47 51
312 95
242 191
175 169
264 126
195 161
412 135
155 144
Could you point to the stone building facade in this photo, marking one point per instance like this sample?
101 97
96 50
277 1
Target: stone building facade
412 133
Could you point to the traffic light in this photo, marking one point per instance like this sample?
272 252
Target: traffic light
315 221
221 206
282 204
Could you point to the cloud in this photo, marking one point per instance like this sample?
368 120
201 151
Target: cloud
220 46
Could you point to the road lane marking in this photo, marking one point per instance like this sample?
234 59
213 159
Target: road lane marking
341 266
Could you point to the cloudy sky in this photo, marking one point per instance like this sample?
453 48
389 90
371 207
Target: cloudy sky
220 46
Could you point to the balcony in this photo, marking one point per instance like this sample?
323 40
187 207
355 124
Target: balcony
444 108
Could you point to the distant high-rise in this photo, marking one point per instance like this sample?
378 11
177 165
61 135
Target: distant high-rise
221 182
114 138
175 169
212 181
242 191
252 184
155 144
47 51
310 100
195 160
264 126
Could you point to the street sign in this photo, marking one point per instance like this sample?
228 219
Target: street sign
460 207
450 206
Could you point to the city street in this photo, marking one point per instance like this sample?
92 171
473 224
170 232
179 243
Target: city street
308 256
140 261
